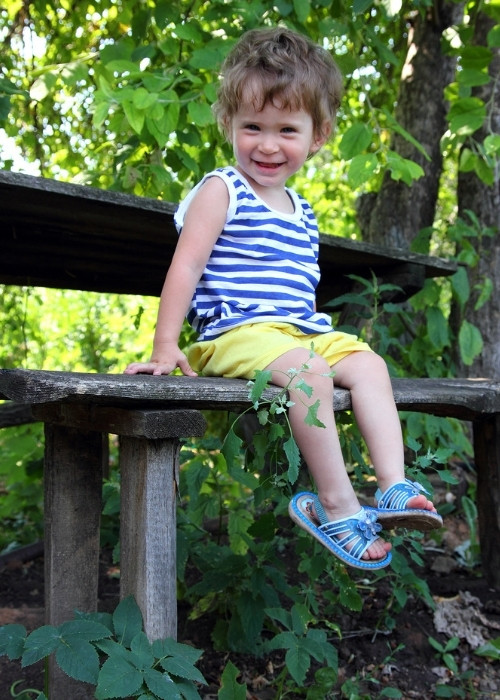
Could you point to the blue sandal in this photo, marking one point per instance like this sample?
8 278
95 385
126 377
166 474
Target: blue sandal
391 510
347 538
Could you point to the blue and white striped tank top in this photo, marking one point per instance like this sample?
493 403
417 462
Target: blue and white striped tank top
263 266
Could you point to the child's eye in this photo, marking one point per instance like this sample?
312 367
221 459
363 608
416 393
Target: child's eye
288 130
252 127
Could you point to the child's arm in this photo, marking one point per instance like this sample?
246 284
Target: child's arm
203 224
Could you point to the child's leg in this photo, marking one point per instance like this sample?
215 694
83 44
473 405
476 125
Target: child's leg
320 447
365 375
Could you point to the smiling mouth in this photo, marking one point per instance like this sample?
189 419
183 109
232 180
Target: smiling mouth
268 166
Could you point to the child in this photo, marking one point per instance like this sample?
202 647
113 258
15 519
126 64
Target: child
245 272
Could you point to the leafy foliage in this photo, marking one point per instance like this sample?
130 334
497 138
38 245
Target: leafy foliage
132 666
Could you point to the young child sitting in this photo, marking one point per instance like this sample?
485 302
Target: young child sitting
245 272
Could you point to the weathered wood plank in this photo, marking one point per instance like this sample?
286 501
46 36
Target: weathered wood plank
458 398
12 414
57 234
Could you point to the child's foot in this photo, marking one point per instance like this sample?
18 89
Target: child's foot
404 504
353 539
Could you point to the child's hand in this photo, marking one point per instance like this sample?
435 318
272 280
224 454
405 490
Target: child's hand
163 365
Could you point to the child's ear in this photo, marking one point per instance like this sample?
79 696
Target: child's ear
321 136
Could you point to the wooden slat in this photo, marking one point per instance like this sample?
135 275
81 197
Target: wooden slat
458 398
55 234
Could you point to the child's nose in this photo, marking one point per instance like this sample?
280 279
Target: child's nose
268 144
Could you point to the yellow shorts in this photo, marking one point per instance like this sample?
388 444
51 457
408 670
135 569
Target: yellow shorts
253 346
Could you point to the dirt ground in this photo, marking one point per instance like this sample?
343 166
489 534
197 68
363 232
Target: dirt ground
404 660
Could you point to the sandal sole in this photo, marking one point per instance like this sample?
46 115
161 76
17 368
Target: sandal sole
409 518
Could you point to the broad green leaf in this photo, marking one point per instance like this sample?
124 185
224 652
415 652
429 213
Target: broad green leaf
403 168
141 647
298 662
79 659
161 685
43 86
258 385
312 415
12 639
135 117
88 630
170 647
117 679
355 140
360 6
460 285
239 521
491 649
395 126
494 37
362 168
302 9
473 78
437 327
144 99
231 449
183 668
475 57
486 290
466 115
200 113
127 620
230 688
470 342
39 644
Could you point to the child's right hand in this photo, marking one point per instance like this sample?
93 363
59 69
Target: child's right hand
163 363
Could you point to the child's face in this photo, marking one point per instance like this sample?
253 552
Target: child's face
272 144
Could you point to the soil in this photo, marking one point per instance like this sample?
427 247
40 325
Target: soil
375 660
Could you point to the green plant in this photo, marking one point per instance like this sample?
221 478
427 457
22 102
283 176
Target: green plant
111 652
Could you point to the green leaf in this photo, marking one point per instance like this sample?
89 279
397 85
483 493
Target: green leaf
127 620
39 644
258 385
200 113
312 415
88 630
12 638
491 649
161 685
135 117
230 688
403 168
298 661
79 659
355 140
231 448
437 327
460 285
293 457
466 115
141 647
117 679
181 667
362 168
470 342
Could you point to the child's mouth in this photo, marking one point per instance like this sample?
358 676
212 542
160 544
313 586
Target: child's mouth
268 166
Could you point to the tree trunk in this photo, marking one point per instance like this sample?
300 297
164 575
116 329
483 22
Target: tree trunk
395 214
484 201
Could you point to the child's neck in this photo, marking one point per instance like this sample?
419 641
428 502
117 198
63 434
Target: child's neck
276 198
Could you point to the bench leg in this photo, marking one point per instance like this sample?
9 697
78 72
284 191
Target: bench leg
148 531
72 486
487 456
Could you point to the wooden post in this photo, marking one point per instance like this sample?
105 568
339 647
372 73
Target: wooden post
73 486
487 456
148 531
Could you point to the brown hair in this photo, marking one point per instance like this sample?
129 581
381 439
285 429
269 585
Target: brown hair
280 65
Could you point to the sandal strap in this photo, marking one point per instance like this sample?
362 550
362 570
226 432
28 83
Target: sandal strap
397 496
353 534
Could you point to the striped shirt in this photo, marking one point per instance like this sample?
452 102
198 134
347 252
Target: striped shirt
263 267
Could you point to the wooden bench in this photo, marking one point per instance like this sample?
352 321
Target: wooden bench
151 415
